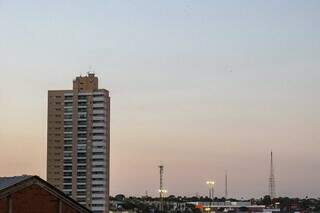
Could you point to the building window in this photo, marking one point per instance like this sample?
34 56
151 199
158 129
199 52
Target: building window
99 121
98 153
67 154
81 186
68 123
82 129
81 193
98 173
67 180
81 180
98 127
82 123
98 159
98 102
98 179
82 104
98 95
99 147
67 187
67 141
97 205
99 115
67 116
82 147
81 173
98 108
67 161
67 167
68 135
82 135
67 173
82 110
99 166
68 148
82 116
67 110
82 161
68 97
68 129
81 154
97 192
82 97
97 185
82 141
98 140
98 134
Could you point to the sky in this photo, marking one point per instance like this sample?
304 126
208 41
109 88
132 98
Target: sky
201 86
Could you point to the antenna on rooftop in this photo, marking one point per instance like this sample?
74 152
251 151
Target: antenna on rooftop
91 70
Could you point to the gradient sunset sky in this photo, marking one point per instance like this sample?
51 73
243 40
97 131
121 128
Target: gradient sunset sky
203 86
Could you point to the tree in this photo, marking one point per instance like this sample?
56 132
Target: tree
120 197
266 200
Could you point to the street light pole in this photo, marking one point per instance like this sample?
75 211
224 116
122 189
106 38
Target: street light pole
210 184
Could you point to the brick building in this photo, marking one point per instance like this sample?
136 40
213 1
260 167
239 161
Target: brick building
31 194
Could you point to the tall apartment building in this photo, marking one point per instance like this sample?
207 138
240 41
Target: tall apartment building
78 144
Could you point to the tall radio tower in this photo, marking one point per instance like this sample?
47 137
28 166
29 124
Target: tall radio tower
162 191
272 184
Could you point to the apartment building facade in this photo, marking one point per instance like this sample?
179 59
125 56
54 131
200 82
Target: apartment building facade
78 142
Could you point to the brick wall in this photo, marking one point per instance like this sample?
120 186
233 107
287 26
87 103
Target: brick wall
34 199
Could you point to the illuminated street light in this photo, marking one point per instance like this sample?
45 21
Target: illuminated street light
162 191
207 209
210 184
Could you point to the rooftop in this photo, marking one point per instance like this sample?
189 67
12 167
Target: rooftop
6 182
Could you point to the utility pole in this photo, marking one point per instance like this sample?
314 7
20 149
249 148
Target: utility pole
226 186
210 184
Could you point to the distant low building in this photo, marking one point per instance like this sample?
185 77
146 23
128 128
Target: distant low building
31 194
228 206
268 210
